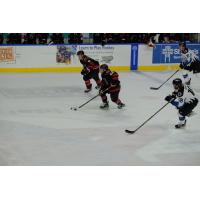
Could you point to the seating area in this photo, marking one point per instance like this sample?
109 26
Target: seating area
94 38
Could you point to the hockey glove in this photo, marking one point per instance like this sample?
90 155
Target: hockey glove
103 91
84 71
181 66
169 98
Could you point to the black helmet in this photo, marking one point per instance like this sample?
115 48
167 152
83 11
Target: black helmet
80 53
177 82
182 43
104 67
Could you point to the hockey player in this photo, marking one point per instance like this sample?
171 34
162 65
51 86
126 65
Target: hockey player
183 98
110 84
189 62
90 70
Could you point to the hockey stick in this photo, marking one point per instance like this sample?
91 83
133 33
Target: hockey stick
156 88
75 108
131 132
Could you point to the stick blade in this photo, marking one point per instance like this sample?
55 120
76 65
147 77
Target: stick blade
154 88
73 108
129 131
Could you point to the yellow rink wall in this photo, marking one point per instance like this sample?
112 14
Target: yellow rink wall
78 69
56 69
158 67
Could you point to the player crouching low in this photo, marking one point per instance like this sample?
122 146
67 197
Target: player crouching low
183 98
110 84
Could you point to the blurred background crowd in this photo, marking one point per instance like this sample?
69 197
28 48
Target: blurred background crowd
95 38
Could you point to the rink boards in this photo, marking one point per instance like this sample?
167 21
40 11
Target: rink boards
62 58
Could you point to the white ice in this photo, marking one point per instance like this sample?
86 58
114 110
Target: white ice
37 126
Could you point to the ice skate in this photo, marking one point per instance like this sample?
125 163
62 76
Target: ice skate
180 124
104 105
88 90
121 105
97 87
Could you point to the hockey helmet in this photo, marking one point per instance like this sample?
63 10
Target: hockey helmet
182 43
177 83
80 53
104 67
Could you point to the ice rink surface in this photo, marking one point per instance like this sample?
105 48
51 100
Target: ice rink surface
37 126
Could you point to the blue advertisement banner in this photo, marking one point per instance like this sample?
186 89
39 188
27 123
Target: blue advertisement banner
170 53
134 56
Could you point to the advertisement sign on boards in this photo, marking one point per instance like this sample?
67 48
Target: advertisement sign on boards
170 53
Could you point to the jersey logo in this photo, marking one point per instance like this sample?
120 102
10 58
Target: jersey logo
180 100
179 94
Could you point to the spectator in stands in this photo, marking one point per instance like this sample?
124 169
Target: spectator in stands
176 37
75 38
103 39
1 38
186 37
57 38
122 38
42 38
133 37
143 38
30 38
109 37
14 38
97 38
79 37
166 39
154 38
100 38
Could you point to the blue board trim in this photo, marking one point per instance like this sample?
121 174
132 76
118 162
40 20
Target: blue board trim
134 57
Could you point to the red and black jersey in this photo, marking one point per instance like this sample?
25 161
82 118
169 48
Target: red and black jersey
89 63
111 81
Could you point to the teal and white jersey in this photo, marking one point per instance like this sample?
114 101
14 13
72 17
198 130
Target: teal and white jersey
188 57
184 95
